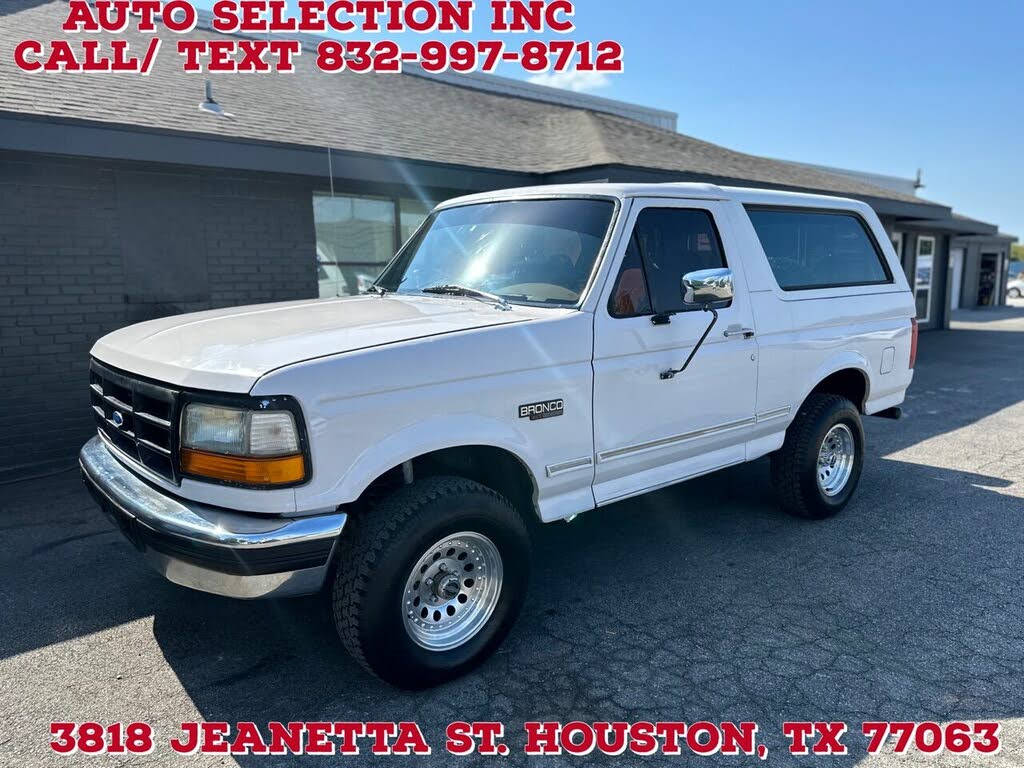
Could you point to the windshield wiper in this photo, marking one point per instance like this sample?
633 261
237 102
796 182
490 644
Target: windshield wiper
473 293
377 289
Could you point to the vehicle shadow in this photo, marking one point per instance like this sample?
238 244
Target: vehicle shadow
51 526
66 571
703 601
698 601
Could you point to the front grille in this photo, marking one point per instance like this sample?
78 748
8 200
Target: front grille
138 417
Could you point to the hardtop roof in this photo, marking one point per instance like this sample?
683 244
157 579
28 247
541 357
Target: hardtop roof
674 190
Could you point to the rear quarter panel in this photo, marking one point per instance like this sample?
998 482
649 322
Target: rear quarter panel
805 335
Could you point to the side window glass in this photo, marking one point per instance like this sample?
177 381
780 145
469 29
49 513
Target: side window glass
630 297
818 249
666 244
672 242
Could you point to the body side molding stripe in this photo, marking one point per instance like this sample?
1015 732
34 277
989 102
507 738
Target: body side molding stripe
616 453
773 414
568 466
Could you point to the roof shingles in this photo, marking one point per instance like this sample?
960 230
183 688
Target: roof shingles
401 116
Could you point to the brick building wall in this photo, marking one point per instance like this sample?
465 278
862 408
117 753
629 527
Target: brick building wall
89 246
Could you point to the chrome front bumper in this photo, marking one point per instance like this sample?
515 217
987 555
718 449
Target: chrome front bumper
207 548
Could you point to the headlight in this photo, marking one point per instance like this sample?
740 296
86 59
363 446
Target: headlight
242 446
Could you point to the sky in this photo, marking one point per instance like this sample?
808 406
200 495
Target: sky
882 86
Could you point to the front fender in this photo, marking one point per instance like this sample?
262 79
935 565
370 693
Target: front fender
433 434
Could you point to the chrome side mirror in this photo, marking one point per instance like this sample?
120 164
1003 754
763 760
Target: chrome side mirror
707 286
703 288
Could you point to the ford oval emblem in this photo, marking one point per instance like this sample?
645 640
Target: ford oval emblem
118 419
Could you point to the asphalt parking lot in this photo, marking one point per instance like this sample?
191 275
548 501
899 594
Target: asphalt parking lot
697 602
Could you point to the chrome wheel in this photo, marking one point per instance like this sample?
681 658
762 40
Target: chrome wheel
452 591
835 459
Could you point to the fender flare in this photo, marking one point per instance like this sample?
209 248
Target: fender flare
434 434
843 361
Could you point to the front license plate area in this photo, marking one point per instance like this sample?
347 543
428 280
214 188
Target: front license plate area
125 523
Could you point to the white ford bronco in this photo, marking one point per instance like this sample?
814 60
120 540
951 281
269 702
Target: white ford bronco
527 355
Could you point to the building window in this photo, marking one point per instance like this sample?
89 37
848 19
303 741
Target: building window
923 277
818 249
355 238
411 215
988 280
897 245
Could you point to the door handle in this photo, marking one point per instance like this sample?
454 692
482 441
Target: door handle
743 333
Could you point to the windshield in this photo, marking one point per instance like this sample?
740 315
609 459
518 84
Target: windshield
525 251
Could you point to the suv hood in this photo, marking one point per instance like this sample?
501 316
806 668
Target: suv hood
228 350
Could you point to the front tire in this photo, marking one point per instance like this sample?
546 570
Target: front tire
818 467
1014 293
430 582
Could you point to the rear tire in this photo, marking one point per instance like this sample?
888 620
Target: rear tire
448 547
1014 293
818 467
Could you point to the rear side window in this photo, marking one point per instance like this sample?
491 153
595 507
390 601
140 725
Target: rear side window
665 244
812 249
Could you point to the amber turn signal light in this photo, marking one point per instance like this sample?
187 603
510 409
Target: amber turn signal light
280 470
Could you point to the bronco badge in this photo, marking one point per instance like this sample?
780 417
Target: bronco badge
545 410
